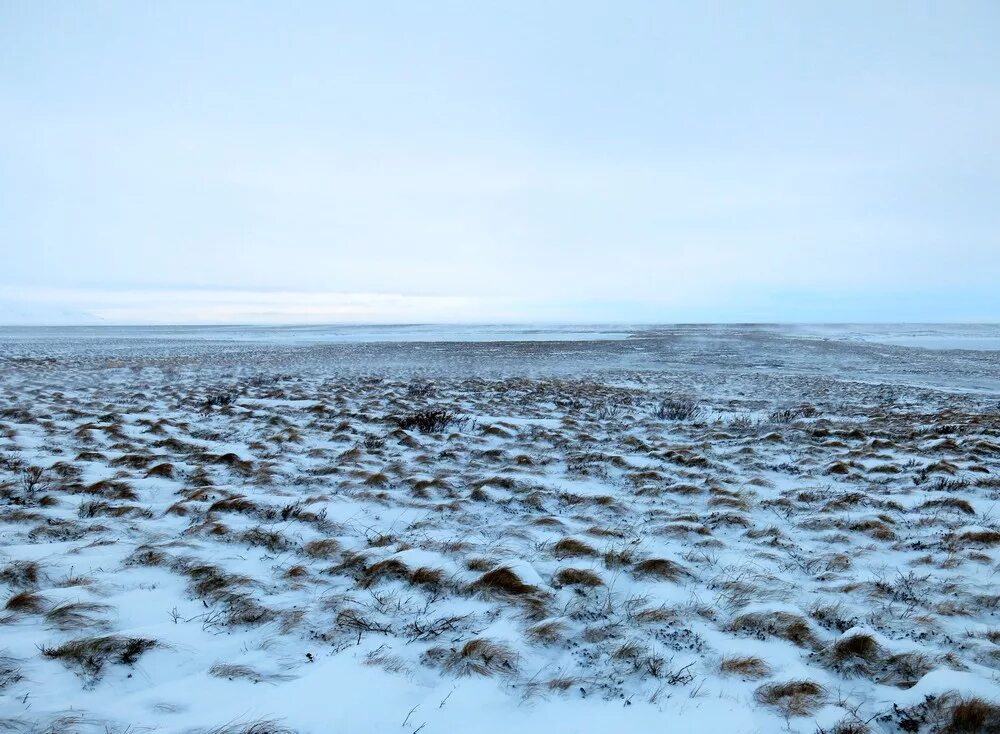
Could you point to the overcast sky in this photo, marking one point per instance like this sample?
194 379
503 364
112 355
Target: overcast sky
471 161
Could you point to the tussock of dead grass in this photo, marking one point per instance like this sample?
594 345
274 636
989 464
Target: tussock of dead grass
503 580
481 656
571 547
97 508
77 615
846 726
425 576
261 726
746 667
577 577
903 670
26 602
659 568
21 574
787 626
271 540
239 504
791 698
974 715
982 537
165 470
323 548
89 655
547 633
390 568
855 655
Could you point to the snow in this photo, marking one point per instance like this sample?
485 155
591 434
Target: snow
388 627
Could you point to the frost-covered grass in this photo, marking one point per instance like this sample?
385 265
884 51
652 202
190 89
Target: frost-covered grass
220 538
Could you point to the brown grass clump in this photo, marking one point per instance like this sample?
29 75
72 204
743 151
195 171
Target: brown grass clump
482 657
132 461
787 626
26 602
618 558
479 564
984 537
569 547
659 568
76 615
949 503
111 489
232 672
856 646
503 580
425 576
746 667
323 548
89 655
165 470
212 581
792 698
262 726
847 726
239 503
21 574
547 633
577 577
974 715
98 508
905 669
271 540
147 555
855 655
390 568
875 528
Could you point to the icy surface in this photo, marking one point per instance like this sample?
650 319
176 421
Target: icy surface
682 528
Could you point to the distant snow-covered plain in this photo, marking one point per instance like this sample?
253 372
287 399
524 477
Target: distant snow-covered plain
434 529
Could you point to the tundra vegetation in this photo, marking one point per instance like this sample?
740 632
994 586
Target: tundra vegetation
808 552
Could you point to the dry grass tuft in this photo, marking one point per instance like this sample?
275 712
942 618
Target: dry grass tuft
10 672
323 548
426 576
570 547
26 602
855 655
856 646
787 626
503 580
547 633
847 726
21 574
659 568
983 537
746 667
165 470
974 715
262 726
792 698
245 672
577 577
271 540
88 656
481 657
390 568
77 615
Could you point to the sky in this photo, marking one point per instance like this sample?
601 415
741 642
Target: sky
302 162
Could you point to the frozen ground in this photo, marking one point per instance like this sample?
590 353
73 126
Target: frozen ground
593 529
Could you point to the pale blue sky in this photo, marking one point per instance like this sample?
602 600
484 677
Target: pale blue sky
571 161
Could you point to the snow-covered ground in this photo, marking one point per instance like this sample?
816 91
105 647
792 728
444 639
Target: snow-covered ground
592 529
